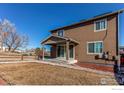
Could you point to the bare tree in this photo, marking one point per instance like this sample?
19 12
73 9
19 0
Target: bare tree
2 35
11 38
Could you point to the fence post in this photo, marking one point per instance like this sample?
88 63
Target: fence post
21 57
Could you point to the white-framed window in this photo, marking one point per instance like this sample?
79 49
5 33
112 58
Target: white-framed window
100 25
61 33
95 47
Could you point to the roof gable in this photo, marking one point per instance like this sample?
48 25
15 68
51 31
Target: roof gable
91 19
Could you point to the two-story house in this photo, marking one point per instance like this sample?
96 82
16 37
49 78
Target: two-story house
82 41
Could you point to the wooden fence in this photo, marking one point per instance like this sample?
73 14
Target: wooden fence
4 58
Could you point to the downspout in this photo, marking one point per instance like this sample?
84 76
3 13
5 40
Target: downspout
118 54
118 44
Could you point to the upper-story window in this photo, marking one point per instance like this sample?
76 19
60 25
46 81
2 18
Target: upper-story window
61 33
100 25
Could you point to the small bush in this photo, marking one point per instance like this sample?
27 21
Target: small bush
30 54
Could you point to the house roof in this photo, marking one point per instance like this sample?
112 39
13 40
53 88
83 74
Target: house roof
58 37
94 18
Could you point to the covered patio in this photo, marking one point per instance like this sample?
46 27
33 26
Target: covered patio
62 48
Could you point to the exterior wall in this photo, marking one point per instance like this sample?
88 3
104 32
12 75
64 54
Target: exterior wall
53 51
54 33
84 33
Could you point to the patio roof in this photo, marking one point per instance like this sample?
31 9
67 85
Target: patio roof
57 39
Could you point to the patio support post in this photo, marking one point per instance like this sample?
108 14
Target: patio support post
43 52
67 51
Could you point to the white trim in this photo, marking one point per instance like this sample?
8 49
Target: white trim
94 42
100 21
64 58
74 51
64 38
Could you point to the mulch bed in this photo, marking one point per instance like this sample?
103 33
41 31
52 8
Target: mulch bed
2 82
96 66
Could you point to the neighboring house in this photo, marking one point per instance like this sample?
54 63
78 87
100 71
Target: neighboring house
2 48
121 49
82 41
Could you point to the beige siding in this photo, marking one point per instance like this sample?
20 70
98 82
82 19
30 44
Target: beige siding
85 33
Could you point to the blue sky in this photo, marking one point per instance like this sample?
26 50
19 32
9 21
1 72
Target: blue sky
35 20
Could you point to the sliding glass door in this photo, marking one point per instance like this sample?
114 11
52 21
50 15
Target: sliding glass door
71 49
61 51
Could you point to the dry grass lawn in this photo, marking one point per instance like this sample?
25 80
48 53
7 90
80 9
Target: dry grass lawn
43 74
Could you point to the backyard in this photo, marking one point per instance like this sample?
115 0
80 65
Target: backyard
44 74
